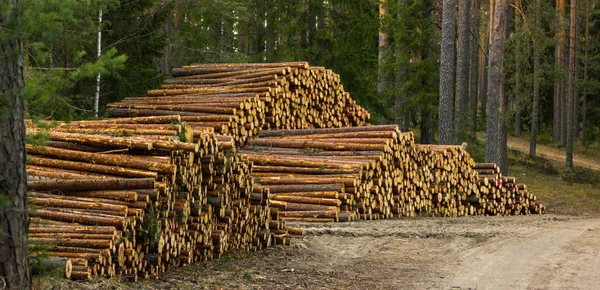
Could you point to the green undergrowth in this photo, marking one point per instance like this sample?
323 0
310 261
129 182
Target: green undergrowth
569 192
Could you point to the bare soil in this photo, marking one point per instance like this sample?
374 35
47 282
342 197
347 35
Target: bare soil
555 154
519 252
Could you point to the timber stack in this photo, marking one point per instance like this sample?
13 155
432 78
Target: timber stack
372 172
239 100
163 182
135 206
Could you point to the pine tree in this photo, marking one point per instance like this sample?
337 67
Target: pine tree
462 73
447 64
495 83
14 221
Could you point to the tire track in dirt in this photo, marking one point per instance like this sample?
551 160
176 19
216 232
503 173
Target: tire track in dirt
565 256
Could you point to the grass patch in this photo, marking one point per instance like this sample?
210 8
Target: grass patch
559 195
564 191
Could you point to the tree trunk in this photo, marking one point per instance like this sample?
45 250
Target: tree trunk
14 221
557 82
536 81
447 72
426 126
99 52
562 59
519 50
492 153
482 92
571 85
585 74
503 108
474 81
384 54
462 73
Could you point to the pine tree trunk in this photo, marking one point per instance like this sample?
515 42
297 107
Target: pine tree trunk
571 85
503 108
536 82
447 72
563 68
474 77
14 221
482 86
585 75
558 52
462 73
519 50
492 153
426 126
383 56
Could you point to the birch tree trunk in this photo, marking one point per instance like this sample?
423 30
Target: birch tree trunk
99 52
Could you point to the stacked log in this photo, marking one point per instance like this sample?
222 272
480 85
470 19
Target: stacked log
333 174
240 99
135 206
371 172
502 195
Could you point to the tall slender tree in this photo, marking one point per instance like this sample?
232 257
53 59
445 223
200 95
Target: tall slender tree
518 60
474 76
535 117
585 74
562 59
447 64
493 153
14 221
462 72
483 61
571 85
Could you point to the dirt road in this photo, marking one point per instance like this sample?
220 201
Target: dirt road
551 153
527 252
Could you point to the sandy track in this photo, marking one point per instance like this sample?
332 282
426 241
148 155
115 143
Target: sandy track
551 153
562 256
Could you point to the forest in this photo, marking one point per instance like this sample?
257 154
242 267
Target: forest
397 58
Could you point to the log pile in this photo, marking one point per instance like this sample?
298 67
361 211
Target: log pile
372 172
136 205
163 182
240 99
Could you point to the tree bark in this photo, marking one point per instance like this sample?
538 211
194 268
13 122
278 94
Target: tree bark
14 221
384 54
474 78
483 60
571 85
447 72
536 82
462 73
492 153
562 43
585 75
503 108
558 52
519 50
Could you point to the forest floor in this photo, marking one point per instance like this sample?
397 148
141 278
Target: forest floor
555 154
